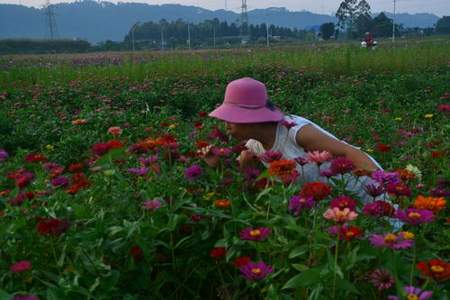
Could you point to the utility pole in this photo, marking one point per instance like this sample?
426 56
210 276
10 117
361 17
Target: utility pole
162 38
132 35
393 24
51 22
226 5
214 36
189 36
244 21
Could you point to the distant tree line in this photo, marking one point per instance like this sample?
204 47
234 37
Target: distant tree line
208 33
28 46
354 19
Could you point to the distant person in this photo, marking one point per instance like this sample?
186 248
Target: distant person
369 40
250 117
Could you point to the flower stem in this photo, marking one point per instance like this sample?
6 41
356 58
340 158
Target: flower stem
412 265
336 252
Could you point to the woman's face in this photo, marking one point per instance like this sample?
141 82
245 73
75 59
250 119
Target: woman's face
241 132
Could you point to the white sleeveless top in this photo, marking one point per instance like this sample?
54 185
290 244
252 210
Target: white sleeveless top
286 144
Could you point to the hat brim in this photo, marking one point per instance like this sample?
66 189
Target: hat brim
235 114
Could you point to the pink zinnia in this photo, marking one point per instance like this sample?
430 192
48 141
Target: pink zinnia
20 266
391 240
381 279
340 216
341 165
255 234
115 130
256 271
318 157
343 202
415 216
152 205
270 156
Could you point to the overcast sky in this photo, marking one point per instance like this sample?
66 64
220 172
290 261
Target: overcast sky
438 7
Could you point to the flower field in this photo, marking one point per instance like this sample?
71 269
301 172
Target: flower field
104 193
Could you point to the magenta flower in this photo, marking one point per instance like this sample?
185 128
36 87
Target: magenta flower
60 181
383 177
222 152
251 174
147 161
341 165
3 155
193 172
256 271
20 266
342 202
374 190
415 216
414 293
301 161
379 209
216 133
288 124
381 279
255 234
299 203
152 205
403 240
270 156
327 173
138 171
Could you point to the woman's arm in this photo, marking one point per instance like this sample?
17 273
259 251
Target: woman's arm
311 138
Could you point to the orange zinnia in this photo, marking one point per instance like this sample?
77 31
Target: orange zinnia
405 174
281 168
222 203
434 204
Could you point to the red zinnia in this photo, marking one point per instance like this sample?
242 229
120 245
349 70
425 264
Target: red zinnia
20 266
136 252
217 252
35 157
52 226
384 148
241 261
317 190
435 268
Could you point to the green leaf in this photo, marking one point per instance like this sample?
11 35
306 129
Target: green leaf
298 251
308 278
4 295
346 285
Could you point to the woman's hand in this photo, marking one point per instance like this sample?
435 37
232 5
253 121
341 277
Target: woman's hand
247 159
209 158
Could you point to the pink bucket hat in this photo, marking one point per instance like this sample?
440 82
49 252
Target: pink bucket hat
246 101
